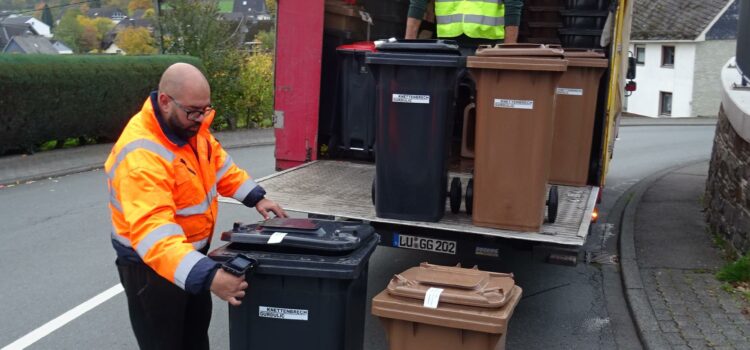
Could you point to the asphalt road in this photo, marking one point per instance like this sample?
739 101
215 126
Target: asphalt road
57 255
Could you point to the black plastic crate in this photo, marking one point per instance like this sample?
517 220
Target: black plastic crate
583 19
580 38
600 5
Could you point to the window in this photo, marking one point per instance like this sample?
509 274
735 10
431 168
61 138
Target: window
640 55
665 103
667 56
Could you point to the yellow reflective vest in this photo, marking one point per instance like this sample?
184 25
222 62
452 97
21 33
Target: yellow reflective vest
482 19
163 196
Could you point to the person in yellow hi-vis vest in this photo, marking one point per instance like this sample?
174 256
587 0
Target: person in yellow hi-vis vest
470 22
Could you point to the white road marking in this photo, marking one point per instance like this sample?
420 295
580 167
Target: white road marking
64 319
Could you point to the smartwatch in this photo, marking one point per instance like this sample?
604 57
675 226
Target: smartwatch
239 265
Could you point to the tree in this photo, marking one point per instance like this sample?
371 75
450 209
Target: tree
94 30
69 30
136 41
47 17
193 27
271 7
139 5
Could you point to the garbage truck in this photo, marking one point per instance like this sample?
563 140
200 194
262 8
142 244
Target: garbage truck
326 167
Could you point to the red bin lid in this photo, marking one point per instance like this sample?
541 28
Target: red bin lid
359 46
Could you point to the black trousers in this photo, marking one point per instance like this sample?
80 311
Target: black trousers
164 316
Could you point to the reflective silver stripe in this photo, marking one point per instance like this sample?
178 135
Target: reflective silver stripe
200 244
124 241
484 20
199 208
450 19
113 200
185 266
244 190
140 144
228 162
156 235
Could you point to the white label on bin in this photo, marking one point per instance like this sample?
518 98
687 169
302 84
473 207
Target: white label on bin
402 98
515 104
432 297
282 313
569 91
276 237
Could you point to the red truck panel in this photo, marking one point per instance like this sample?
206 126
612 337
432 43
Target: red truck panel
299 42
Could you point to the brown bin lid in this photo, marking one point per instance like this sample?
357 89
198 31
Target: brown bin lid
486 320
524 50
460 286
533 57
586 58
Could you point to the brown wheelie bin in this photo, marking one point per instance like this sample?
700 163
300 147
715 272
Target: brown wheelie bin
434 307
514 121
575 110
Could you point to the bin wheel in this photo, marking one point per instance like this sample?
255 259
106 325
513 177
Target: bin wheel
455 195
372 192
470 197
552 203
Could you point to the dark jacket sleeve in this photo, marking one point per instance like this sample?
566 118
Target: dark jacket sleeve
513 12
417 8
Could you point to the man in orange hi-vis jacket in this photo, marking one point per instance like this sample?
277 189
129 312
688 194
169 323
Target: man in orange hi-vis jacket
164 176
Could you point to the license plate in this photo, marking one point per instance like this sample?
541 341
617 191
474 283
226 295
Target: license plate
423 243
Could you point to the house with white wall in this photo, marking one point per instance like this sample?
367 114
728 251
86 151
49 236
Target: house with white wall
38 26
680 47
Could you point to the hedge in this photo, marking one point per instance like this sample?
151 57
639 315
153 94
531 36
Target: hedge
55 97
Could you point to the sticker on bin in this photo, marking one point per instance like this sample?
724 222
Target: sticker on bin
569 91
402 98
515 104
432 297
282 313
276 237
423 243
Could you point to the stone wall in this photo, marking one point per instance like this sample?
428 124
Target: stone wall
727 197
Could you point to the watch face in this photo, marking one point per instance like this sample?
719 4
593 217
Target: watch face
240 262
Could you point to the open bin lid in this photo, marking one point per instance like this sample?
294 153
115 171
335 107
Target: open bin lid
311 235
586 58
534 57
461 286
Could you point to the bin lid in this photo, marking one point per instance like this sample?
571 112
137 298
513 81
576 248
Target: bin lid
461 286
493 320
358 46
423 46
586 58
532 57
304 235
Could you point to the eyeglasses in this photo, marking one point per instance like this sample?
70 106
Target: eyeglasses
193 114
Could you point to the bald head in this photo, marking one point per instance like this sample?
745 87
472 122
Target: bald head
182 80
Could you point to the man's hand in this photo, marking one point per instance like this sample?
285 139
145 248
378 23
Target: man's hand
229 287
265 205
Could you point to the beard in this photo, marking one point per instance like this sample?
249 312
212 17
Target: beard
184 132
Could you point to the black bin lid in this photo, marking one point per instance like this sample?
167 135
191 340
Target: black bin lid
307 235
426 46
432 53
